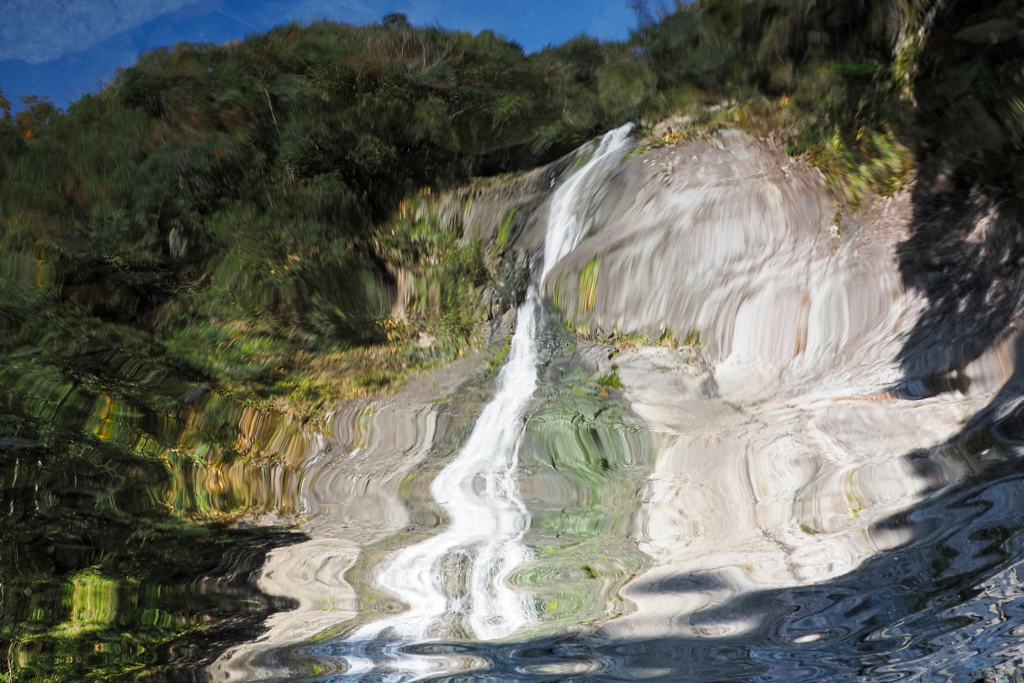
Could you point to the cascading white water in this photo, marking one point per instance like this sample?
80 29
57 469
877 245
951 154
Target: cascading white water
487 518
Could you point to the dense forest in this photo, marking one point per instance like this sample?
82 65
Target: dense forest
227 222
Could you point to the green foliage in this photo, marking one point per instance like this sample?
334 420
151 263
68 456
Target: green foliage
504 229
100 569
5 107
236 205
588 285
865 91
611 380
813 75
969 91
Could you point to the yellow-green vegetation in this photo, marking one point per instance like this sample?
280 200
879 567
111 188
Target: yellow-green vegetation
504 229
611 380
624 342
92 600
105 563
588 285
114 516
857 166
499 358
558 298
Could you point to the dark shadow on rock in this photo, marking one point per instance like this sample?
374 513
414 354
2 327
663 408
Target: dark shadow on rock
964 252
965 256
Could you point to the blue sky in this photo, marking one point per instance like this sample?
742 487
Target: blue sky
64 48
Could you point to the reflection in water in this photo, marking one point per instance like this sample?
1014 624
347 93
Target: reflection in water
764 493
350 492
100 503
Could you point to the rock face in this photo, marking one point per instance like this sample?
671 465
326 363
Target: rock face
686 229
727 239
833 363
837 379
730 241
782 492
826 382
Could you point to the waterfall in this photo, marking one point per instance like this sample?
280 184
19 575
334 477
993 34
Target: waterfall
487 518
